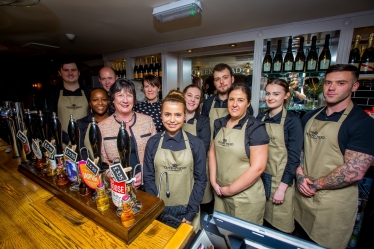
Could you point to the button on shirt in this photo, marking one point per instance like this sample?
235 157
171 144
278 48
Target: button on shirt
293 138
177 143
153 110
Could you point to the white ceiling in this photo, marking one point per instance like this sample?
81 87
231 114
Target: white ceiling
107 26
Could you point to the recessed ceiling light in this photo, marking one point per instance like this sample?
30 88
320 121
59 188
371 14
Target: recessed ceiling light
232 45
189 51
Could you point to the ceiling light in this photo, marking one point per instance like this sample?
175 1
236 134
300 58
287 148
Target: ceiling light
71 37
177 10
189 51
19 3
232 45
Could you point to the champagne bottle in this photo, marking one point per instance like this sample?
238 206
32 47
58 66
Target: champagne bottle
300 57
325 56
160 69
123 70
267 62
145 70
278 59
141 69
156 67
363 47
354 55
151 68
367 60
136 68
117 71
312 59
94 136
288 64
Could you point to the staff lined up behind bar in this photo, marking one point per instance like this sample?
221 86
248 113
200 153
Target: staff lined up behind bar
298 176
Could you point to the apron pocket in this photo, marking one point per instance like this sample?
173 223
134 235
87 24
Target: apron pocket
266 180
173 215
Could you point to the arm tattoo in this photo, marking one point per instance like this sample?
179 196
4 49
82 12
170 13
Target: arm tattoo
355 166
299 179
302 160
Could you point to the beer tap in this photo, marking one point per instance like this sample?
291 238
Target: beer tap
17 110
6 114
41 134
95 141
56 130
73 133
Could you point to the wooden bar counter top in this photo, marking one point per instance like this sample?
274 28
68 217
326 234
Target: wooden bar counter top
32 217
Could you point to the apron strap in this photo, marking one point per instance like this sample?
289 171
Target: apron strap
346 112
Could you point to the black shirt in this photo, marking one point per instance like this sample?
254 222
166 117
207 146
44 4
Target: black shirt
293 138
53 97
153 110
255 132
176 143
202 129
355 133
219 104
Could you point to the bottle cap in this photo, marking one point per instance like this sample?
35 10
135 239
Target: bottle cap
125 198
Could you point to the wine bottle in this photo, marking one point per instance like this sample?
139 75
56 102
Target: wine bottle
123 70
363 47
136 68
325 56
117 71
267 62
278 59
151 69
311 60
300 57
288 64
156 67
141 69
354 55
160 69
367 60
145 70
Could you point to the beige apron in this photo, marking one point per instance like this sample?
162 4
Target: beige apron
180 166
216 113
71 105
208 195
232 162
278 215
329 216
87 143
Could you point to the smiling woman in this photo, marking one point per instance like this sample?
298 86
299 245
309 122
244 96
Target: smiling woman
181 156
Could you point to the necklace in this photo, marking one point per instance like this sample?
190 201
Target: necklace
132 117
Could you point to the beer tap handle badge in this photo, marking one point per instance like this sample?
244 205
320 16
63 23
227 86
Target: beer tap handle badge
49 147
25 142
90 173
70 153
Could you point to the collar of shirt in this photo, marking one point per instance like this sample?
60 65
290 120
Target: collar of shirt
333 116
177 137
274 119
216 98
63 88
196 116
240 123
149 103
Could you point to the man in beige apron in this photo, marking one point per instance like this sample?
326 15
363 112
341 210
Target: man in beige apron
180 168
70 105
208 194
278 215
327 197
232 161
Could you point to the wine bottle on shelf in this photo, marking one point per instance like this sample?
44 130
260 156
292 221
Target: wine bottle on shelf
367 59
267 62
363 47
156 67
151 68
140 70
325 56
288 64
300 57
312 59
160 69
145 70
136 69
354 55
123 70
278 59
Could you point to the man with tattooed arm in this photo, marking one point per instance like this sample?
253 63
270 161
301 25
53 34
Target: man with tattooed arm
338 150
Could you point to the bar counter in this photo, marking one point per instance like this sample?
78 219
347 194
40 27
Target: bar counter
32 217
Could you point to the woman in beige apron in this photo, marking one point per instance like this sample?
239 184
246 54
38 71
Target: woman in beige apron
328 216
199 127
237 157
176 170
278 181
71 105
99 103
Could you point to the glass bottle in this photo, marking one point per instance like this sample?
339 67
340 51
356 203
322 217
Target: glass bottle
61 176
102 200
268 61
127 215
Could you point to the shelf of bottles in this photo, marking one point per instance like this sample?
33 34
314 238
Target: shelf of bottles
298 61
119 67
362 52
150 64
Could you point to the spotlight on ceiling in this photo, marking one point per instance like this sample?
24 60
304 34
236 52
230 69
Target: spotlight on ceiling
177 10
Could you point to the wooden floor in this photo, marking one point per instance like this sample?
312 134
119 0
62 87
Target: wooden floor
32 217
